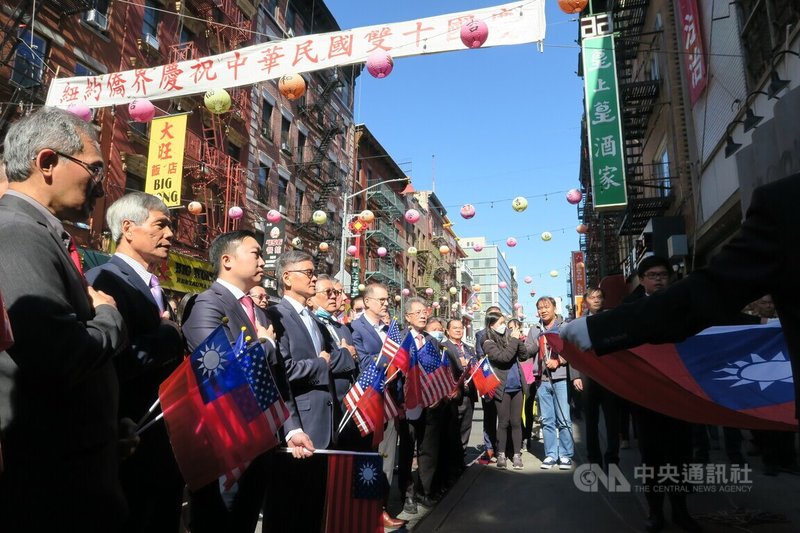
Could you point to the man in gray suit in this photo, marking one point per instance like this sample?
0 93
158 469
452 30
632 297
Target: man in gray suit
236 256
60 424
311 358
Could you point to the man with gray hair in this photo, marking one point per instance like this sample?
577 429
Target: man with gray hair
60 434
141 227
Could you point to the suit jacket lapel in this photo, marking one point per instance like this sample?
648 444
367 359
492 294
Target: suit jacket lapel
237 317
133 279
371 330
288 309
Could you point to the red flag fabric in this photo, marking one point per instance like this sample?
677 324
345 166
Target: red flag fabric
216 427
659 378
412 390
486 381
354 495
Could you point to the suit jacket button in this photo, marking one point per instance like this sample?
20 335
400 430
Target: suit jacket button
330 402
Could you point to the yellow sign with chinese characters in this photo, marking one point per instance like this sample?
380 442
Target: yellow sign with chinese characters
165 158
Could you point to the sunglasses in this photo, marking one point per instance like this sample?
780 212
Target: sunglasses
332 293
309 273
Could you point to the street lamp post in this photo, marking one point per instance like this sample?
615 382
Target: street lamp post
346 214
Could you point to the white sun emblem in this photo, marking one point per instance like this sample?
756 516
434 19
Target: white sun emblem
368 474
210 361
758 370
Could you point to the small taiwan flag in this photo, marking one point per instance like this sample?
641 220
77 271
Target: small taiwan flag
354 497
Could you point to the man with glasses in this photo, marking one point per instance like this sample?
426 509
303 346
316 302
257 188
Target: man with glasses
357 308
260 296
311 358
59 435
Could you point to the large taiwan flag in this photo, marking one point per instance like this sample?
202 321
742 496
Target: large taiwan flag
737 376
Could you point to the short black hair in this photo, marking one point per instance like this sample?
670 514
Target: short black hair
225 244
652 261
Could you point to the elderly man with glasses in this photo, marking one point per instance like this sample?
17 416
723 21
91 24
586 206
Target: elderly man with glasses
260 297
59 435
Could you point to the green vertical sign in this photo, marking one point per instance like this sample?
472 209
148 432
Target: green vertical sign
355 277
604 124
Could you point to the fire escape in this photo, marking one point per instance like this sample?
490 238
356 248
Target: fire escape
318 169
30 77
388 208
216 180
601 245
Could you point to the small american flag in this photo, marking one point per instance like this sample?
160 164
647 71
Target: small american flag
371 378
394 350
254 363
436 381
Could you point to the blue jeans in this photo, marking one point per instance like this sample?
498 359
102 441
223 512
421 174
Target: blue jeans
556 423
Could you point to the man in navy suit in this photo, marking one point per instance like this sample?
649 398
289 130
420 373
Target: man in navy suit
140 225
236 256
311 358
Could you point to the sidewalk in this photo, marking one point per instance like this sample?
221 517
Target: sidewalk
490 499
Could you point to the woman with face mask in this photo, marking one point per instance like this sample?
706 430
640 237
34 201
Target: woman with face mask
505 351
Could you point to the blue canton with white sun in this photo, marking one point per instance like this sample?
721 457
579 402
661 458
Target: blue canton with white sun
368 477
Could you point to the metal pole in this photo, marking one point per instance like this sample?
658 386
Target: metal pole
342 247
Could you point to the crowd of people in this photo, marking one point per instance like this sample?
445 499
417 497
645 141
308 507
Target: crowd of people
90 350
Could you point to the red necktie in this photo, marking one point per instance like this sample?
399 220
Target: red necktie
74 255
250 308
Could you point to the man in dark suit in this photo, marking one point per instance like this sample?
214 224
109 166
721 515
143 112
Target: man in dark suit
311 359
60 442
460 355
141 227
237 259
369 329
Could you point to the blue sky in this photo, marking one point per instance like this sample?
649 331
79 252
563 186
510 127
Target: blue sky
501 122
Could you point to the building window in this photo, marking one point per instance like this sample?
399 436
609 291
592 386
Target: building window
234 151
661 171
272 7
83 70
290 16
186 36
301 146
151 18
133 183
285 125
764 24
298 204
283 185
262 188
29 60
266 119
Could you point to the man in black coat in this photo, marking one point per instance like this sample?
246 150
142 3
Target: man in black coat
141 227
60 439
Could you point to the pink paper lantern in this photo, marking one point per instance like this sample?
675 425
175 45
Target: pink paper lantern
582 228
511 242
429 291
406 292
574 196
412 216
81 110
477 247
467 211
528 279
382 252
235 212
352 250
380 64
474 33
502 284
273 216
435 305
141 110
517 305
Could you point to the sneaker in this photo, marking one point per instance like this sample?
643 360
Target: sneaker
565 463
501 460
548 463
516 461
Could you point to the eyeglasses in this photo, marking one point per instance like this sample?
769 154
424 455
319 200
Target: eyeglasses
381 300
95 170
358 309
258 296
417 313
309 272
330 292
657 275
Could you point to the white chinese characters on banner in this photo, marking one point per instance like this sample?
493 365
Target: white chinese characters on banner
509 24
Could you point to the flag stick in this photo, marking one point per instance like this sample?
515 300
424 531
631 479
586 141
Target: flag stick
475 370
337 452
153 421
149 411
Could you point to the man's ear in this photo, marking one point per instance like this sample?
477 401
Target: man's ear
46 160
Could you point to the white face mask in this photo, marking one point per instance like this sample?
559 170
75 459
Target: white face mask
500 330
438 335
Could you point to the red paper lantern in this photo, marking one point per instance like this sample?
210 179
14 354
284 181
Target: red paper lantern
380 64
474 33
292 86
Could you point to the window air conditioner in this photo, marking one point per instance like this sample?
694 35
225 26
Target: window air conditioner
97 19
151 41
282 209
